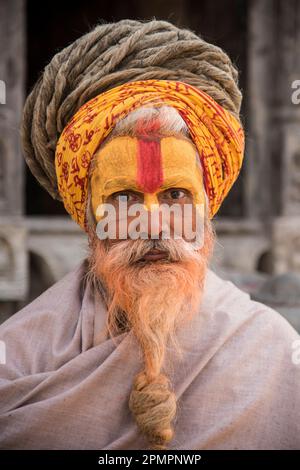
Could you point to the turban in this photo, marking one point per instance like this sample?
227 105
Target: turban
217 134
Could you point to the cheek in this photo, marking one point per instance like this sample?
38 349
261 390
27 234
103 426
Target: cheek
184 224
193 222
122 224
96 196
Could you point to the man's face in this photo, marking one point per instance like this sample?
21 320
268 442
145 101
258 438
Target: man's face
152 173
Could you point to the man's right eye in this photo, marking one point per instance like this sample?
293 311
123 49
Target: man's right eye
124 196
121 197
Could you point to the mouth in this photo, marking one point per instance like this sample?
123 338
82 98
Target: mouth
153 255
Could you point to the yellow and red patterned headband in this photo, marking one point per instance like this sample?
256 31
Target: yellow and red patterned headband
217 134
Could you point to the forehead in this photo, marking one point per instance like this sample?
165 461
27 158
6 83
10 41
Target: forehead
148 163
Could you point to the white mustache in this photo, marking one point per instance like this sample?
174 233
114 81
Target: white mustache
132 251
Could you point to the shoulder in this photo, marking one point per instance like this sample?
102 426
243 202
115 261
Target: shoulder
252 336
224 298
51 300
255 339
30 334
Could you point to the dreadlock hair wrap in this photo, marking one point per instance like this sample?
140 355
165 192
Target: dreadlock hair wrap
106 57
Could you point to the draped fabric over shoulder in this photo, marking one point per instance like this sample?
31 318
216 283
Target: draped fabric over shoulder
66 384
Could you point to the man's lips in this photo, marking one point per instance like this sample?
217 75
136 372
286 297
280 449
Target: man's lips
154 255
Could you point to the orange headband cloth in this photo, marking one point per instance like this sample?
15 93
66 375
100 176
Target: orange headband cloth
217 134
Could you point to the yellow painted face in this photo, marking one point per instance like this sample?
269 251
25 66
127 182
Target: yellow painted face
147 167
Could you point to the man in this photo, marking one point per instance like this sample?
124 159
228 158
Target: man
142 345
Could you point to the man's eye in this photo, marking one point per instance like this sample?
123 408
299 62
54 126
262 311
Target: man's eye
123 197
175 194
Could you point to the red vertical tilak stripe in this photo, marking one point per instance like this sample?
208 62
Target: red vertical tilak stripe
149 167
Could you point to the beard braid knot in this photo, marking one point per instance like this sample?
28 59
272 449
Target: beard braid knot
153 405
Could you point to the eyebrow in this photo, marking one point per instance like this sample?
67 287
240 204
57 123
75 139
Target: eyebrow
177 182
124 183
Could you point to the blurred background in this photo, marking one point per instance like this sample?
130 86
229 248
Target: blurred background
258 226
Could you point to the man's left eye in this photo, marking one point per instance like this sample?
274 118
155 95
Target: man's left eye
175 193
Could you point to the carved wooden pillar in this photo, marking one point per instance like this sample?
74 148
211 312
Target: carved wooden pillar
13 257
286 134
258 165
12 65
273 166
286 113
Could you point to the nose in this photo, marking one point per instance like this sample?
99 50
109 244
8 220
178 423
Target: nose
150 202
154 225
